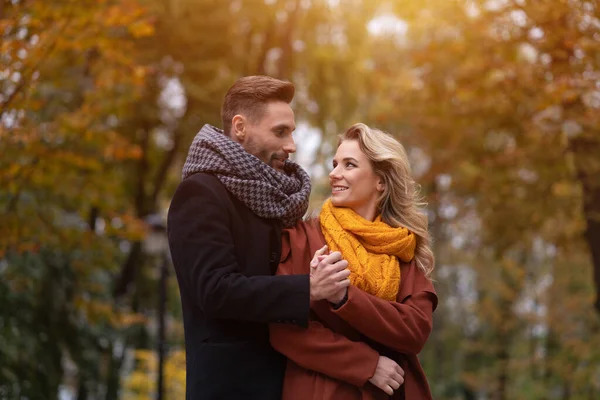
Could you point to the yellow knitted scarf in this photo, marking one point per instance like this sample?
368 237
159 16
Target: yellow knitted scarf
371 248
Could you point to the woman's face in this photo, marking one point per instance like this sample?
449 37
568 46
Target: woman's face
353 181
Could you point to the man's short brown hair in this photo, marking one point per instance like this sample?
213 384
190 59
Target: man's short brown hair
250 94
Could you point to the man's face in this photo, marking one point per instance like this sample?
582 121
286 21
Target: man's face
270 138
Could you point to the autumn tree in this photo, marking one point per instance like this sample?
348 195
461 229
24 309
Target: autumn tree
68 78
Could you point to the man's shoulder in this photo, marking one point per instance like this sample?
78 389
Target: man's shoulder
202 178
195 190
199 183
196 196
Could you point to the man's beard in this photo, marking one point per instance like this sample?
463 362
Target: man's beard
278 159
271 159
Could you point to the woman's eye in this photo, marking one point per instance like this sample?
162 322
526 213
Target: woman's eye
350 165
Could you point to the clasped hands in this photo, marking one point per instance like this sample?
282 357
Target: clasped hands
329 279
328 276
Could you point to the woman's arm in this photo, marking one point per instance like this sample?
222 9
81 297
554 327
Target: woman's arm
321 350
403 327
317 348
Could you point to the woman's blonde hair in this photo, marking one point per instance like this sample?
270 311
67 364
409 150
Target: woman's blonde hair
400 203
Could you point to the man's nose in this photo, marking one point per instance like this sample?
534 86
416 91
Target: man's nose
290 145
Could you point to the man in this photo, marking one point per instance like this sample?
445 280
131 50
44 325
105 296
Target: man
224 226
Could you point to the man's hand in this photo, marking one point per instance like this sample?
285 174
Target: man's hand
329 276
320 254
389 376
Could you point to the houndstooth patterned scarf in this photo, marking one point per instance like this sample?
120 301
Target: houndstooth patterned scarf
269 193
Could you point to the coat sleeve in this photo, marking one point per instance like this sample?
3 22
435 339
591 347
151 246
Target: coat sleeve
321 350
404 325
203 254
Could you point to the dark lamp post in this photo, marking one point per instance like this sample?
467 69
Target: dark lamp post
156 243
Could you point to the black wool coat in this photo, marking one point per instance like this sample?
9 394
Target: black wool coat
225 258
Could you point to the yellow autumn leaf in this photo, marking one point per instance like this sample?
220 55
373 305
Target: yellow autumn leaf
562 189
141 29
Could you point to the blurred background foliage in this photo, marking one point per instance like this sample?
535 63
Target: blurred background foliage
497 101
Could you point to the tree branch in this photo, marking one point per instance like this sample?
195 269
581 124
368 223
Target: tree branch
27 77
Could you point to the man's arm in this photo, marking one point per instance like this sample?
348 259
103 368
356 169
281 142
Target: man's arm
202 249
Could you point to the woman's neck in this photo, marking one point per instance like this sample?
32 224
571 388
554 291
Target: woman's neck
367 211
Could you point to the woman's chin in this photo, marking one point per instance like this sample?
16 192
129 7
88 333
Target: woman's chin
336 201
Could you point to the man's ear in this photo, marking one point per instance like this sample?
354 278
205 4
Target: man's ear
238 127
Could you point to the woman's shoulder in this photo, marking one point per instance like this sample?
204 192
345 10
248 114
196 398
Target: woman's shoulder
304 228
413 280
298 243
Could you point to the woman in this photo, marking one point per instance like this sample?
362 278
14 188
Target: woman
356 340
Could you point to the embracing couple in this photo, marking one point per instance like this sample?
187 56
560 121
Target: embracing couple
276 307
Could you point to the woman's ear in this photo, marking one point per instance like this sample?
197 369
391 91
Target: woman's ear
380 185
238 124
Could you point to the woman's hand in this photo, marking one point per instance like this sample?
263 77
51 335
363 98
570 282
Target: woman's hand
389 376
329 277
319 256
337 298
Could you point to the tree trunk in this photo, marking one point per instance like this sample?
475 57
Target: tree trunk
503 359
261 63
113 379
586 146
567 391
128 269
438 342
286 61
82 392
468 394
586 151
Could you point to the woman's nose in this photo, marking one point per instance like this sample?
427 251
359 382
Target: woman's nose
334 174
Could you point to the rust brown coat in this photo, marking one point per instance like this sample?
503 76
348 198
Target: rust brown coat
336 356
